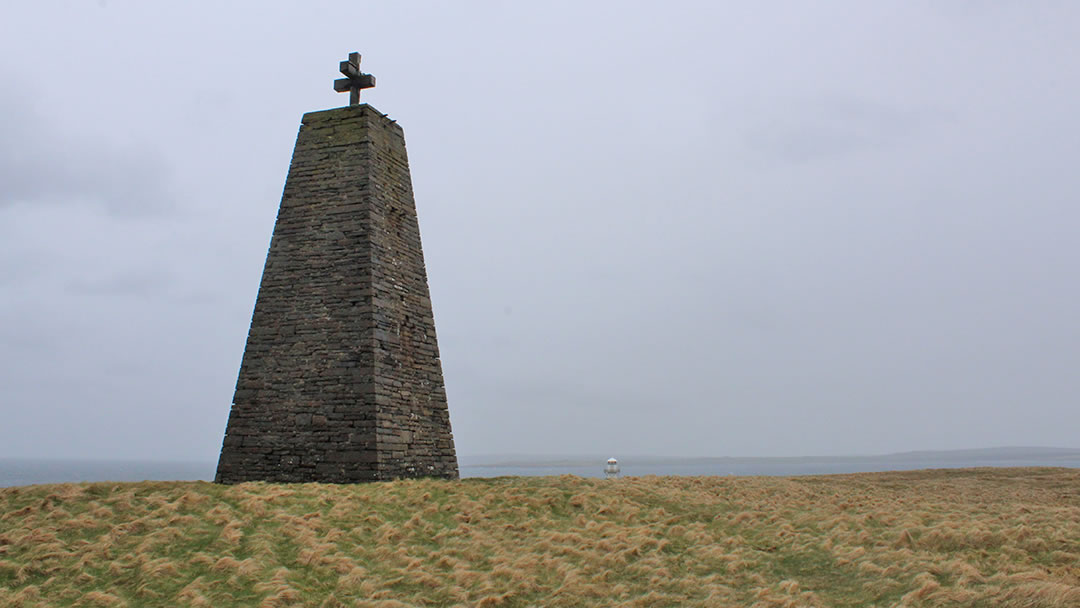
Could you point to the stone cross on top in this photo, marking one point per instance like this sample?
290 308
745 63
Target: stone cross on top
354 79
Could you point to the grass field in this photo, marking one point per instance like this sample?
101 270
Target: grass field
975 537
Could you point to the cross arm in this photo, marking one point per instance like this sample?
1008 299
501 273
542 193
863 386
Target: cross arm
365 81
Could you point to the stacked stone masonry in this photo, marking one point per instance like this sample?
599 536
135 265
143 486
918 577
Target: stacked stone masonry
341 380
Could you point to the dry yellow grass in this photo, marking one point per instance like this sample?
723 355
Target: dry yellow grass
985 537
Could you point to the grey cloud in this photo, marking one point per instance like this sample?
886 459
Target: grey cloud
42 165
27 339
803 132
15 270
139 283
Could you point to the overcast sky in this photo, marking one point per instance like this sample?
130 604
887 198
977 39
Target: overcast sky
752 229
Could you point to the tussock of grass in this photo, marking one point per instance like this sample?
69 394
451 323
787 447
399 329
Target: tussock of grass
980 538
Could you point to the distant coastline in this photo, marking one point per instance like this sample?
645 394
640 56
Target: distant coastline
21 472
1002 454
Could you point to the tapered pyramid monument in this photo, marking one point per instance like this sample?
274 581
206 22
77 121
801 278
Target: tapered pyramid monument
341 380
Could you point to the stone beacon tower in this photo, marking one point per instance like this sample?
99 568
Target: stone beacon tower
341 380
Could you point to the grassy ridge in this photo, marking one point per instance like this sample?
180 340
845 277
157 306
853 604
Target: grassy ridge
977 537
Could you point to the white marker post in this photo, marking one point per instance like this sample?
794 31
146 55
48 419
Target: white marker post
611 469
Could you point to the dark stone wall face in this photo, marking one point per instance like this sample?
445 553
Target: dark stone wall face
341 379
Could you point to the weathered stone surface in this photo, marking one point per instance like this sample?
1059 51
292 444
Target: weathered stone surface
341 379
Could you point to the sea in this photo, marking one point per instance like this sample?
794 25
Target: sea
23 472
